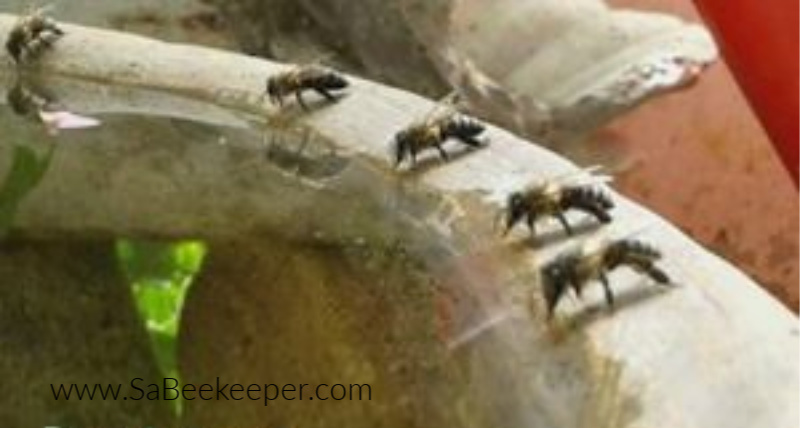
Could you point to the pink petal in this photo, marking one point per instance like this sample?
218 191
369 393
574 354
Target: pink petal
67 120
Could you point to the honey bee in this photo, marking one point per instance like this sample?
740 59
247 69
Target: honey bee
589 262
433 131
553 198
44 109
31 35
304 77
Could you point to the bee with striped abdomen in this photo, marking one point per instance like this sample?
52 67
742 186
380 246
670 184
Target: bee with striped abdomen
589 262
554 197
433 131
300 78
31 35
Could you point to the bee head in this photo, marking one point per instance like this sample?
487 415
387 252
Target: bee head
515 209
272 87
400 146
555 279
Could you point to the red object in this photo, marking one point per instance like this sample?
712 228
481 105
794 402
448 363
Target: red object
759 40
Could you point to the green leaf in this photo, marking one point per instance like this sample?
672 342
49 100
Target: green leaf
27 170
160 275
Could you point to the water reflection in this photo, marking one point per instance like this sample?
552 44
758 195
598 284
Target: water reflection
31 130
300 159
26 171
39 105
158 162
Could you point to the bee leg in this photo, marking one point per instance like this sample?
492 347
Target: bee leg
607 290
470 141
600 214
39 45
299 96
400 156
576 285
413 156
531 222
54 28
328 96
442 153
563 220
656 274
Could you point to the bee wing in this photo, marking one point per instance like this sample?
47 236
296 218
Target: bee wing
57 120
572 174
33 10
594 179
583 176
593 244
318 64
445 106
321 60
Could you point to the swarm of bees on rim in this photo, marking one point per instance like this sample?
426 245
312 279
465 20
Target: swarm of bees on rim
552 198
35 33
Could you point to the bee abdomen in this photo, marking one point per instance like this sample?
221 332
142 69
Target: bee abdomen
591 199
461 126
631 251
588 195
329 80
